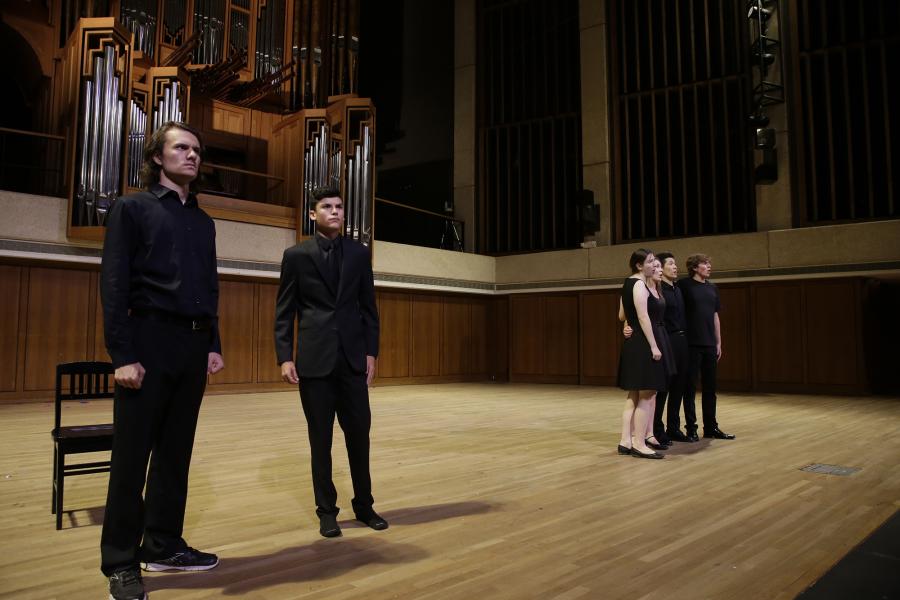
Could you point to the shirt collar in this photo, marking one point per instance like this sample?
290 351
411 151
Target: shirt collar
161 191
327 244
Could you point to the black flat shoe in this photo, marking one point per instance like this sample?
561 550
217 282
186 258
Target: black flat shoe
677 436
638 454
623 450
717 434
655 446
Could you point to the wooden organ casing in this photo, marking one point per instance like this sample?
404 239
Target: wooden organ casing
253 96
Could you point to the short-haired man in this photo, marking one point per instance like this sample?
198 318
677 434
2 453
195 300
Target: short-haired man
160 292
676 326
702 307
327 286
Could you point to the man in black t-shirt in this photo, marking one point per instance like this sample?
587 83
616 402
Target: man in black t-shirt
701 302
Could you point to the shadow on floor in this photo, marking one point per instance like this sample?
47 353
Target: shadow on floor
871 571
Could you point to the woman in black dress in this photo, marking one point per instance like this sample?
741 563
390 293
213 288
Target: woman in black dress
656 309
641 371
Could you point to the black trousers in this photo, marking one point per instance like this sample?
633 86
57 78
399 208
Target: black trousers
343 393
155 423
673 395
703 362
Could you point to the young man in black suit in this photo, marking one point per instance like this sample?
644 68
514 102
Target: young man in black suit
327 287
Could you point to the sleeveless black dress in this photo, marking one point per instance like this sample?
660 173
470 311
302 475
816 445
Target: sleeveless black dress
637 369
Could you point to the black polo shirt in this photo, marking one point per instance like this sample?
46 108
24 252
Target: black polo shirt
158 255
701 303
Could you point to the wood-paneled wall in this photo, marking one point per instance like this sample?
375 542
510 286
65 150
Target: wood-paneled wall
802 335
440 337
52 314
544 338
787 336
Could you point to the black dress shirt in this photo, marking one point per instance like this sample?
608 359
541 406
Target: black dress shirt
674 319
159 255
701 304
333 255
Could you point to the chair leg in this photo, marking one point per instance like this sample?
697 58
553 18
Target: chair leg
60 486
53 492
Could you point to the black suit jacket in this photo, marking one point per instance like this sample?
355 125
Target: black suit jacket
328 319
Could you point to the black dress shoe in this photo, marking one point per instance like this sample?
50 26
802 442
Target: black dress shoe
328 526
677 436
662 438
717 434
373 520
692 436
623 450
655 446
638 454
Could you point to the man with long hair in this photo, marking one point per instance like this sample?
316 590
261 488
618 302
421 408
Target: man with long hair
160 293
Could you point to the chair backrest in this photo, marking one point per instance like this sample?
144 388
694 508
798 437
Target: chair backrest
83 381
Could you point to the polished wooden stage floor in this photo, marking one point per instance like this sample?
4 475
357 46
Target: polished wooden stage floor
492 491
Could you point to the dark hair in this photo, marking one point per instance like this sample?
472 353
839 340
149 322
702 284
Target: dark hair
638 257
320 193
694 261
154 146
662 256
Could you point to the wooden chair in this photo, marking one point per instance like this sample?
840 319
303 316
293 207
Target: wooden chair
79 381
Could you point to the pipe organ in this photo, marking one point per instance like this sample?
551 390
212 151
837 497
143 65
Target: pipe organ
92 101
325 46
101 133
168 88
338 151
320 166
137 136
174 22
280 75
358 190
209 20
139 17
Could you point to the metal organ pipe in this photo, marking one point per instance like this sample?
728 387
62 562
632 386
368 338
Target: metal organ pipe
101 145
316 169
169 106
323 157
209 19
136 137
88 104
365 204
94 128
139 17
357 190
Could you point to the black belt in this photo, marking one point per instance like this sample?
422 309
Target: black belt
198 324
